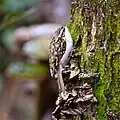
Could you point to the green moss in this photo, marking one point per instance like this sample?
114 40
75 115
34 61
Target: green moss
76 26
114 91
105 62
84 57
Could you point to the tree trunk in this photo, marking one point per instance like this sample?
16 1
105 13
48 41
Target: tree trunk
97 23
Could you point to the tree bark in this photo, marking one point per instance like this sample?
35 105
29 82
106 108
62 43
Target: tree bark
98 25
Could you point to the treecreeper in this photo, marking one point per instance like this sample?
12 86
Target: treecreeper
76 99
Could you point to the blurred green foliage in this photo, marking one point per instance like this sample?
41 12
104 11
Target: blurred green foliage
24 70
13 12
14 6
7 38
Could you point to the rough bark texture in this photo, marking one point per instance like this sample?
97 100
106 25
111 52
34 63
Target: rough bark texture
97 23
79 101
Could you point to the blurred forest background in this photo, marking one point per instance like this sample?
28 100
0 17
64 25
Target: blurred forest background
96 22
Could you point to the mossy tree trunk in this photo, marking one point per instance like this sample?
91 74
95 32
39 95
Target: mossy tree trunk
98 24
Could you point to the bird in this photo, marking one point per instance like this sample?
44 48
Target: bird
60 49
64 57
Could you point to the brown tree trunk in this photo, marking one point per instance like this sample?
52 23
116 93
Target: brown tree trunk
97 23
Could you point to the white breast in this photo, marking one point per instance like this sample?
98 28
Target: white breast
69 46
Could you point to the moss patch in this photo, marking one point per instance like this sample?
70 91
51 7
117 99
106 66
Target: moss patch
106 60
